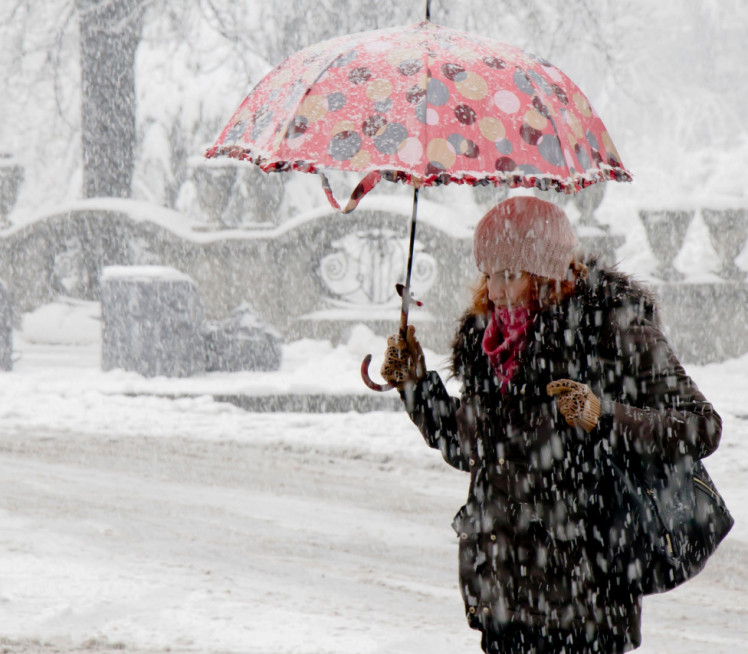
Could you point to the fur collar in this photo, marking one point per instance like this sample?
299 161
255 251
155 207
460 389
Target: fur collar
605 289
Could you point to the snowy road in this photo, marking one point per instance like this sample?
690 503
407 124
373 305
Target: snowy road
204 546
266 543
140 524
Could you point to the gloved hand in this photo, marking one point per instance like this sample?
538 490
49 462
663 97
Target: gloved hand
576 402
403 360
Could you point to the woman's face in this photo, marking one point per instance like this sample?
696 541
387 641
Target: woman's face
508 289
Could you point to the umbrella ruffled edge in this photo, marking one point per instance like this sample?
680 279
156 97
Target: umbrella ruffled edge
543 182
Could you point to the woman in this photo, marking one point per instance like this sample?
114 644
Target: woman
564 371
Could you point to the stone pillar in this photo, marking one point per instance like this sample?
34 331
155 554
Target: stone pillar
6 330
151 318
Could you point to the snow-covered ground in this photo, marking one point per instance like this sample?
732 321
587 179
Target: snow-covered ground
130 522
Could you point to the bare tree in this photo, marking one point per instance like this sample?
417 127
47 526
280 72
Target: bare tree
73 64
110 31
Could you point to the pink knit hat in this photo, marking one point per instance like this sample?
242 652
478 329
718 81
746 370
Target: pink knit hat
525 234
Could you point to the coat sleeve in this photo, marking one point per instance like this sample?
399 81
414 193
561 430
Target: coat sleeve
445 421
654 406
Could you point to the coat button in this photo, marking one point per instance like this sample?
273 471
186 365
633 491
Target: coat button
493 536
486 610
463 535
471 462
471 610
501 461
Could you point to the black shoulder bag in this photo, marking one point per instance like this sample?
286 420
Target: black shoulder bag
682 516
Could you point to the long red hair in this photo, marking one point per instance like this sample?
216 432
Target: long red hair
543 291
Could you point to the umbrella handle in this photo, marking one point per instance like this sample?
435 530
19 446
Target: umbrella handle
405 295
381 388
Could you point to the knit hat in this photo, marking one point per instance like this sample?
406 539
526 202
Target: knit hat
527 234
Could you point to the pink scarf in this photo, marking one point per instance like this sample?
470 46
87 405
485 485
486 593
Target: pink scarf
505 337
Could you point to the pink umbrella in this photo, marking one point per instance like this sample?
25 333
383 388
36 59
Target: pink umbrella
423 105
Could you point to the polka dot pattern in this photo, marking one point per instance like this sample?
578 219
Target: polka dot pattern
335 101
424 102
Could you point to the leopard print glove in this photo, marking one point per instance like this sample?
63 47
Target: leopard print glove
403 360
576 402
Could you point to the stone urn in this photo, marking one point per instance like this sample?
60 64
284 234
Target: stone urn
257 197
559 199
588 200
728 231
487 196
666 230
214 181
11 178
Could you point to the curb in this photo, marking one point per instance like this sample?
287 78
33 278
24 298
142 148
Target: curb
295 403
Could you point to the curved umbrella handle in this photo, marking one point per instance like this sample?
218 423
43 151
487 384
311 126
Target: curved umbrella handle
368 380
404 293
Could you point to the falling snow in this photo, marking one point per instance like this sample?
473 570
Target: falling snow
140 515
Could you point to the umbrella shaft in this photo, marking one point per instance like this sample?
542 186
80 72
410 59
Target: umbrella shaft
409 269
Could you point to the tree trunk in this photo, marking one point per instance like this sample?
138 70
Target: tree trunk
110 31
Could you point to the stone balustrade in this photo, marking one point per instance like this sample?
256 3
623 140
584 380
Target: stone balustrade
315 277
706 321
318 275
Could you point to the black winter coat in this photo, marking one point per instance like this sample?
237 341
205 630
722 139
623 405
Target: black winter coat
546 538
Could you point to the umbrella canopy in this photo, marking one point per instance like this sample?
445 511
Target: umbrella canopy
424 104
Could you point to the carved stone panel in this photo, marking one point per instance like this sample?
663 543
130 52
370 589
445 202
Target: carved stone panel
365 266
